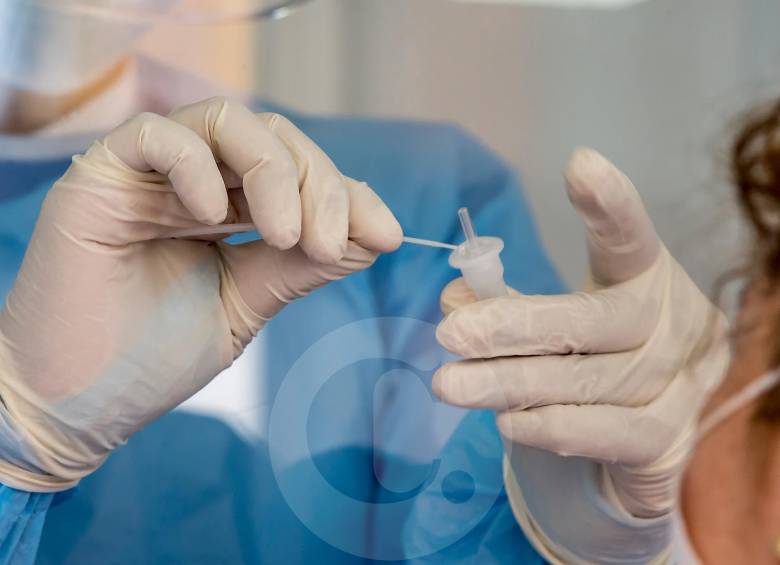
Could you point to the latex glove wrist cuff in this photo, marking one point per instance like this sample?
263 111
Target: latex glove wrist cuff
23 459
21 479
611 530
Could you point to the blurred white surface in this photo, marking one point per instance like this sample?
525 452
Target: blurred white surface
654 87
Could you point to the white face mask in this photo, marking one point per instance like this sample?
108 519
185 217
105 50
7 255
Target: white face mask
58 46
683 551
754 390
53 51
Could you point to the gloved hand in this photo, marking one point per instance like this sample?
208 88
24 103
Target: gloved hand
615 374
112 323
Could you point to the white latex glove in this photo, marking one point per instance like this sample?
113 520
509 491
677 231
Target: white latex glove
111 323
615 374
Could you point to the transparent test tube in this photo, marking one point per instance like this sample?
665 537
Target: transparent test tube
478 258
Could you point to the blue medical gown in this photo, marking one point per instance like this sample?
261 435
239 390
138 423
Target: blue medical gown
333 482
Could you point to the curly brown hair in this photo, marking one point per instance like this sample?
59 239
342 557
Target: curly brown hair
755 165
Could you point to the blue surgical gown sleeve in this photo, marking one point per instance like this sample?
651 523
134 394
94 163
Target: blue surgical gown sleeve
22 517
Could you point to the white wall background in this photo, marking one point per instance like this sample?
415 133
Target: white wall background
653 86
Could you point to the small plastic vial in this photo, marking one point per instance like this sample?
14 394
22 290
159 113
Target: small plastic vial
478 258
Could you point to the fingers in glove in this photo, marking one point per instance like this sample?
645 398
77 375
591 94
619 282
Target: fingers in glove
245 143
622 241
606 321
457 293
151 142
611 434
238 213
371 223
268 278
230 177
518 383
324 196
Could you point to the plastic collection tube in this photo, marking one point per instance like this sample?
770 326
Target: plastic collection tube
478 258
227 229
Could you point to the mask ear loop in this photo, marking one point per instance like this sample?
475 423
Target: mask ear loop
752 391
